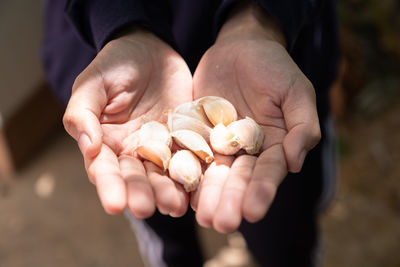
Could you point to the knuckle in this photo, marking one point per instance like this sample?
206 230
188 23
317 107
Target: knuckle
307 83
295 167
179 212
142 212
204 216
303 82
169 201
315 135
253 217
300 81
225 224
68 121
176 206
91 174
204 220
112 208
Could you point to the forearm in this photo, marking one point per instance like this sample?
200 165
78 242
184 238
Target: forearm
248 20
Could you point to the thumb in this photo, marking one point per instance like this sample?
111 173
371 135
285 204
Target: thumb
81 118
301 118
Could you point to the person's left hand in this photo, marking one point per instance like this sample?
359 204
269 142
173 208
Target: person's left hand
249 66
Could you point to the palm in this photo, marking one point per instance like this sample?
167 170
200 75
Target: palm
132 79
253 85
128 106
256 77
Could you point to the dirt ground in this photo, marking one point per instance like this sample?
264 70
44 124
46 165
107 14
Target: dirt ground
362 227
50 215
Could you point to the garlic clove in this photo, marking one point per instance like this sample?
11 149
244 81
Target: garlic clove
224 141
250 134
154 131
155 151
195 143
185 168
218 109
194 110
178 121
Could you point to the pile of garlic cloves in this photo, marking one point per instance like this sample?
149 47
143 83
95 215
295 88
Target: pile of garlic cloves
200 128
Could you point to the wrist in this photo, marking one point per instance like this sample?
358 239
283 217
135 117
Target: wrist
137 35
250 21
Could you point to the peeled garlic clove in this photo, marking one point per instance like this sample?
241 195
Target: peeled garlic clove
155 151
224 141
250 134
195 143
178 121
194 110
154 131
185 168
218 109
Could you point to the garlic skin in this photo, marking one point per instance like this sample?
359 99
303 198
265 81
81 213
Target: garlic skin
218 110
178 121
194 110
251 136
185 168
155 151
195 143
224 141
154 131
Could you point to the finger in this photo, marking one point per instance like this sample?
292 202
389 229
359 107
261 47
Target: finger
170 197
228 214
104 172
114 118
81 118
140 195
301 119
119 108
269 171
194 195
299 140
211 188
119 102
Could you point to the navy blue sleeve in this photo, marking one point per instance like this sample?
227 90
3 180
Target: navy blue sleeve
96 21
292 15
75 30
64 55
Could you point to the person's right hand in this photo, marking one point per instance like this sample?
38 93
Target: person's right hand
132 77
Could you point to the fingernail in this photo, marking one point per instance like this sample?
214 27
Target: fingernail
83 142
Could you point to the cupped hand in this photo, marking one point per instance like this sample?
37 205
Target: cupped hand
249 66
133 78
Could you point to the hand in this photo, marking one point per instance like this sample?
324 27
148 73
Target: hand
132 77
249 66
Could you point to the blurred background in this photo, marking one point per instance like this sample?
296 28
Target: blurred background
49 212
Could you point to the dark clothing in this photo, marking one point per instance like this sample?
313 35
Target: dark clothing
76 30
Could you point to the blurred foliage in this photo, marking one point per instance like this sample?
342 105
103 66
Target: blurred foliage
370 32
